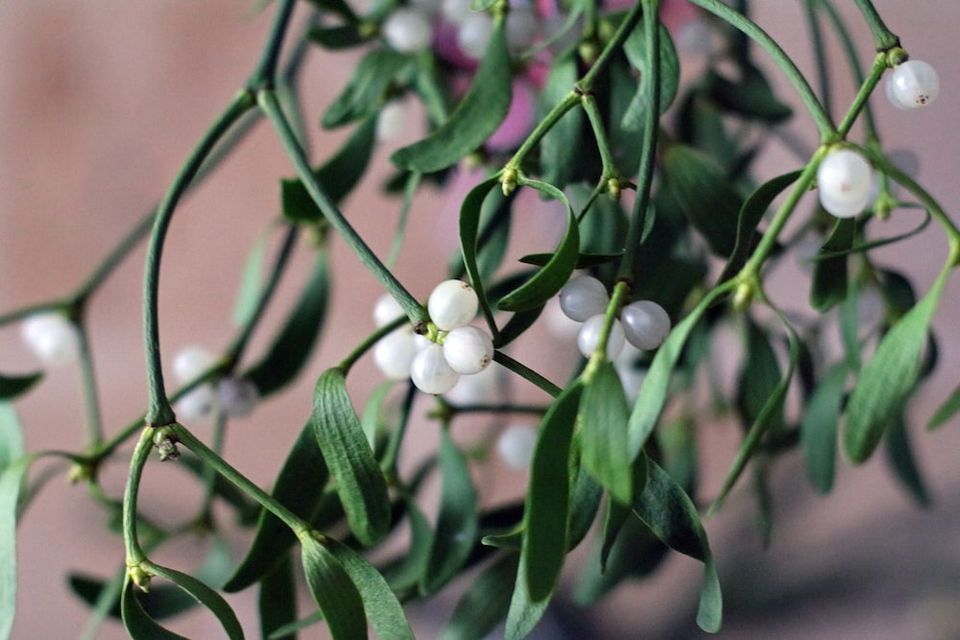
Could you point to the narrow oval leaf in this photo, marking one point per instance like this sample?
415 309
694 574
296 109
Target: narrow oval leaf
477 116
360 483
333 591
292 347
548 281
298 487
13 468
887 379
12 387
584 260
363 95
818 428
946 411
603 419
457 525
277 598
205 596
470 212
557 164
288 631
750 97
672 517
409 572
904 463
485 603
251 281
524 612
381 605
758 376
635 49
546 514
139 625
829 285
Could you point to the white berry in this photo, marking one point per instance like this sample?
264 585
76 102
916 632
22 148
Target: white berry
474 34
452 304
558 324
192 362
197 404
431 373
468 350
913 84
52 338
456 11
521 28
237 396
631 377
583 297
516 445
845 182
589 336
645 324
394 354
486 386
386 310
407 30
392 121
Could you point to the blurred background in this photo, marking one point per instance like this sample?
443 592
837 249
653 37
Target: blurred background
100 102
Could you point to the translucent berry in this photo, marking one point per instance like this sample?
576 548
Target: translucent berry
431 373
392 121
516 445
237 396
394 354
558 324
407 30
192 362
52 338
452 304
845 182
645 324
583 297
913 84
589 336
474 34
386 310
197 404
468 350
521 28
490 385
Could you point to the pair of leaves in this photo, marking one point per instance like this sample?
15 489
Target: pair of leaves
477 116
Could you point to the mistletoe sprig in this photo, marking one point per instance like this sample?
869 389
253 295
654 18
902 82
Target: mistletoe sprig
613 118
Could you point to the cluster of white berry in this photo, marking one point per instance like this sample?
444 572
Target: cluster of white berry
644 324
434 366
845 179
236 397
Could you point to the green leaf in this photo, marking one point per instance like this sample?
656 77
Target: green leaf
13 468
477 116
947 410
410 570
548 281
277 599
291 348
337 7
337 37
829 285
635 49
339 176
653 392
371 418
546 515
289 630
759 376
360 483
818 428
457 526
363 96
888 378
470 212
751 213
248 293
558 165
751 97
138 623
12 387
205 596
672 517
769 418
584 260
584 501
705 196
299 488
485 603
903 461
603 419
524 612
334 591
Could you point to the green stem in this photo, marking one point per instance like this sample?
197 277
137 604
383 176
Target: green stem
210 457
42 307
265 73
571 100
611 48
819 53
608 163
209 472
862 98
883 38
90 393
351 358
135 554
414 310
409 191
160 412
527 373
599 355
780 57
648 149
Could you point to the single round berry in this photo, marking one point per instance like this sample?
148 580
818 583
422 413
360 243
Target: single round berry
192 362
392 121
645 324
431 373
452 304
913 84
407 30
197 404
558 324
468 350
516 445
589 336
52 338
631 376
844 180
237 396
521 29
386 310
456 11
394 354
474 34
583 297
490 385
